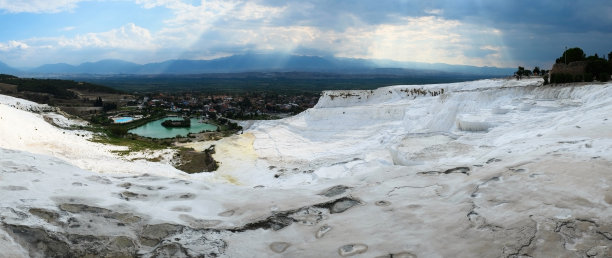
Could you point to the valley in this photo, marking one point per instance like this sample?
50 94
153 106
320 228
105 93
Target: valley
483 168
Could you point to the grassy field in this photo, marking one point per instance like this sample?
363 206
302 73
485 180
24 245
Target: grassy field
133 144
282 83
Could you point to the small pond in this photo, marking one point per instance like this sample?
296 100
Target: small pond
155 129
121 120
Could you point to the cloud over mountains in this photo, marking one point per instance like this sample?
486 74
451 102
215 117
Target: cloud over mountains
492 33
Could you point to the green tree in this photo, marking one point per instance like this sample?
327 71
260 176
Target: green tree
536 70
604 77
599 68
572 55
520 72
109 106
98 102
245 103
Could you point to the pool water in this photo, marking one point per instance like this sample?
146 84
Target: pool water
125 119
155 129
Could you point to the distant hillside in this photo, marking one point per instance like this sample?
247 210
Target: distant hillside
249 63
100 67
57 88
4 68
54 68
279 82
261 63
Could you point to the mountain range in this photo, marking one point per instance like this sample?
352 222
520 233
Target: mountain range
4 68
254 63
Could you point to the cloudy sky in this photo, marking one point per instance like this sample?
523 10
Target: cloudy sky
475 32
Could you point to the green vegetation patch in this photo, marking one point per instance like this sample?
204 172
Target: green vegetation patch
133 143
279 82
58 88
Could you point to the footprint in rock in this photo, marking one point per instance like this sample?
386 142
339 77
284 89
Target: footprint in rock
518 170
462 170
127 195
493 160
279 247
181 181
181 208
352 249
14 188
227 213
126 185
382 203
99 179
152 188
335 190
181 196
322 231
344 205
399 255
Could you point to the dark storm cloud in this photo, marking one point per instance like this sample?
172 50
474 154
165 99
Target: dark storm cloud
339 15
531 31
551 15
